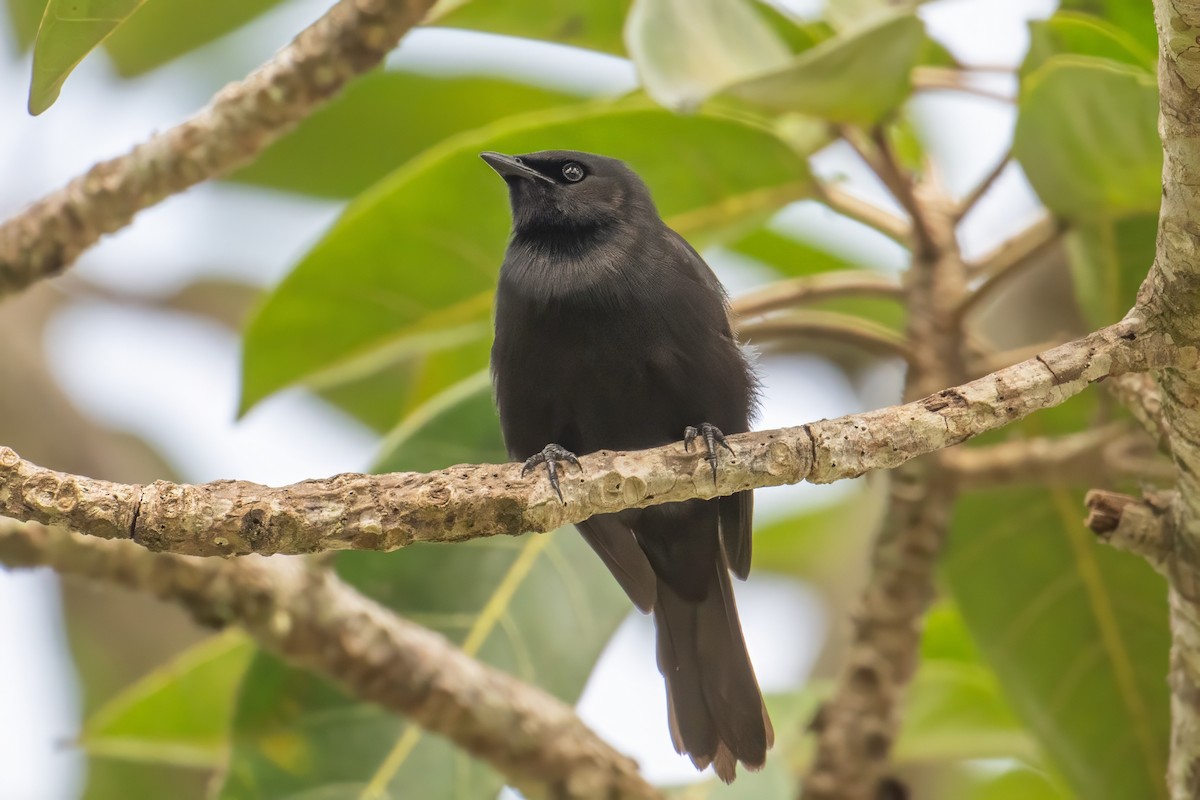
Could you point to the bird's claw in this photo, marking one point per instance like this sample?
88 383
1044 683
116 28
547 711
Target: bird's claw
551 456
712 437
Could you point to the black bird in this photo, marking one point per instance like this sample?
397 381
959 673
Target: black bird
612 333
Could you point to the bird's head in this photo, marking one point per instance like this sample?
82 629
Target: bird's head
569 191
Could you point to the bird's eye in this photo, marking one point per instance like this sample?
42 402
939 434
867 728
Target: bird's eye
572 172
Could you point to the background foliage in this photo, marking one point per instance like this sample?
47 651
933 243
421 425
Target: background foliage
1043 665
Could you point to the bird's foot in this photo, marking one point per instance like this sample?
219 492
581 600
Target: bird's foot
552 455
712 437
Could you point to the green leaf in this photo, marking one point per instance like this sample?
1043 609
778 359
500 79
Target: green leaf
368 131
541 607
1021 783
1109 260
956 711
856 77
1076 633
407 271
162 30
594 24
787 255
1082 34
814 543
456 426
24 16
685 50
850 14
70 30
1087 137
180 713
1136 19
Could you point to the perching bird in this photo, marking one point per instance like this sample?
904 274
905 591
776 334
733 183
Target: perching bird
611 333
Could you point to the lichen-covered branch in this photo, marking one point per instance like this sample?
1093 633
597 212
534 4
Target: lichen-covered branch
385 512
313 620
243 118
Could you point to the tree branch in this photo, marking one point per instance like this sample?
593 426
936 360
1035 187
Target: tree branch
244 117
1172 289
825 326
1142 527
858 726
863 211
1084 458
816 288
385 512
1016 254
313 620
984 186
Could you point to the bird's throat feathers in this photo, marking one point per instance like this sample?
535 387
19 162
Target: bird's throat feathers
560 263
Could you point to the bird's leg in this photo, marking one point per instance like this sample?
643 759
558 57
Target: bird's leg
712 437
551 455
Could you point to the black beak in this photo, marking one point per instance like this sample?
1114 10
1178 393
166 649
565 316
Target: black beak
512 167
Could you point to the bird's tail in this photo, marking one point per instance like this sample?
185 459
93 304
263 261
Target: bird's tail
716 710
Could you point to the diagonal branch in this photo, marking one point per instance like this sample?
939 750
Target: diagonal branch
244 117
313 620
385 512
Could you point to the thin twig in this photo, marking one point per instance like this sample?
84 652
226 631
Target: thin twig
244 117
313 620
865 212
983 187
877 153
816 288
1085 458
953 80
825 326
1016 254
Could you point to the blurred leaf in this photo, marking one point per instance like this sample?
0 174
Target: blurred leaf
456 426
368 130
541 607
407 272
162 30
805 544
1134 18
788 256
1020 783
1076 633
1082 34
798 34
851 14
955 711
70 29
25 16
685 50
1109 261
178 714
594 24
1087 137
855 77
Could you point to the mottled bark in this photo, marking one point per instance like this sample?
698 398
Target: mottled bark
1171 294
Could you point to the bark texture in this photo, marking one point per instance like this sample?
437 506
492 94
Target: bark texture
1172 294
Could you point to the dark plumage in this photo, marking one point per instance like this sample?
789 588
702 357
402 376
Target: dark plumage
611 332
